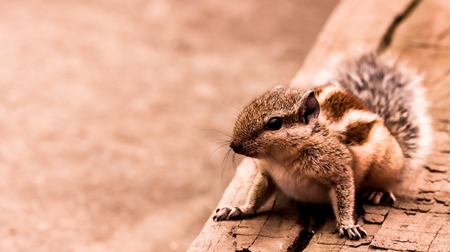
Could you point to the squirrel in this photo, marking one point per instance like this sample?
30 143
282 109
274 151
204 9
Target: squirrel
358 135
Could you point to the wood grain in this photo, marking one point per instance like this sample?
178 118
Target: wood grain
419 32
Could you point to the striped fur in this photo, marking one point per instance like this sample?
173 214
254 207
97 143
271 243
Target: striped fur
394 93
361 132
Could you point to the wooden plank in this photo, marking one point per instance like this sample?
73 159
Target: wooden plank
354 25
275 229
419 220
421 38
424 42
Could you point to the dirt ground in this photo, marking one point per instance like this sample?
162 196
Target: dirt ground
111 112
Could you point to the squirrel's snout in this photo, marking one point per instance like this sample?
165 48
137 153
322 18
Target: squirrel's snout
236 147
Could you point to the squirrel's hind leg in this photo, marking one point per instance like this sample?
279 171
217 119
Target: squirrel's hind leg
377 197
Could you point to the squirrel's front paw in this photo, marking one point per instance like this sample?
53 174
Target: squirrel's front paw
353 232
226 213
231 213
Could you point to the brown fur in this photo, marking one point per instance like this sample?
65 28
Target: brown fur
315 157
360 134
318 90
357 133
339 102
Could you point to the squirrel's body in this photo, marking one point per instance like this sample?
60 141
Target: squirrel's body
358 135
345 127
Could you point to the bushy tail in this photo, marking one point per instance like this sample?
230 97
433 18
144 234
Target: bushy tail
396 95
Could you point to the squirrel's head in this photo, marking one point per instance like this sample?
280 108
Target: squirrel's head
276 123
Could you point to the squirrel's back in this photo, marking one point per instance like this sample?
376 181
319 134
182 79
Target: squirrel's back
396 95
354 136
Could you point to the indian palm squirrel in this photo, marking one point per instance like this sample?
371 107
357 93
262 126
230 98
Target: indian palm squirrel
361 133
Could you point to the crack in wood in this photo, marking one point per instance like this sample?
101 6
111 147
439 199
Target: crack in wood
387 38
411 222
434 238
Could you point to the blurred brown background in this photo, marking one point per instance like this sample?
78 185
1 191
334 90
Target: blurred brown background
110 112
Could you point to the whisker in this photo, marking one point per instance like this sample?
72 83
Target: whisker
233 161
238 109
220 144
218 131
216 147
224 162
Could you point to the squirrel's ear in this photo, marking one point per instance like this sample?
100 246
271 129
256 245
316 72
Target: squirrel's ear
308 107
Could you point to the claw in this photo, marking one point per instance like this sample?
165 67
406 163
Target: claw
352 232
362 231
391 198
227 213
377 197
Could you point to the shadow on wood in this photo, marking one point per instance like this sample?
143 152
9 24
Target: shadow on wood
419 32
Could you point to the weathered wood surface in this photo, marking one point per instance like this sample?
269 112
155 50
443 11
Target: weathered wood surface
419 32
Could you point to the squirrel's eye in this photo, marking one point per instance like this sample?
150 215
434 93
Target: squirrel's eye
274 123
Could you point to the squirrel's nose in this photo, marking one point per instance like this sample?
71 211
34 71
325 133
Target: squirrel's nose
236 147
